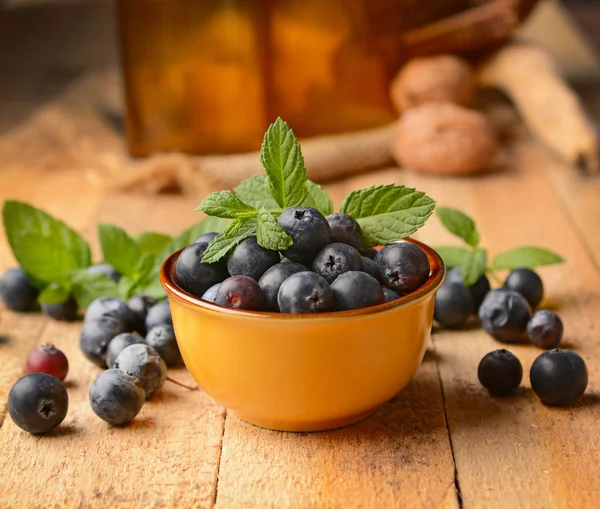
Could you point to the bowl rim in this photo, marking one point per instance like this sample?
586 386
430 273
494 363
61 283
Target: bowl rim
436 277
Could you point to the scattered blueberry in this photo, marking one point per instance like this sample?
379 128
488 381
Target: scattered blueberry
478 290
335 259
353 290
193 275
211 294
140 305
453 305
116 396
404 266
559 377
305 292
345 229
159 313
47 359
96 334
241 292
271 281
206 238
310 231
118 344
504 315
500 372
106 270
528 284
17 292
545 329
162 339
389 295
143 362
251 259
113 308
38 403
371 267
64 312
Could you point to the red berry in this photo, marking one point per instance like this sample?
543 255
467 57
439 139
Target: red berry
48 359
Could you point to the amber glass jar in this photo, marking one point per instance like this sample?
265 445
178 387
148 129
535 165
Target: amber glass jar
208 76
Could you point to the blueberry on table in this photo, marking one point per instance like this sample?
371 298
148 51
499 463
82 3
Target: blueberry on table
47 359
305 292
528 284
404 266
63 312
389 295
211 294
504 315
271 281
143 362
309 230
240 292
335 259
118 344
106 270
140 305
371 267
478 290
354 290
558 377
17 292
345 229
159 313
38 403
116 396
195 276
453 305
113 308
206 238
500 372
545 329
96 334
162 339
250 259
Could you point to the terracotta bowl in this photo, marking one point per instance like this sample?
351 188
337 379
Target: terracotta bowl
303 372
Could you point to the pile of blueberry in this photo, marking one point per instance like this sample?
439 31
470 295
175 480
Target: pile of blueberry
327 268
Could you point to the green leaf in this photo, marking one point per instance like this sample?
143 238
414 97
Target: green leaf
238 230
473 266
154 289
253 191
269 234
152 243
318 198
281 156
225 204
119 249
453 256
528 257
125 287
43 246
459 224
87 287
388 213
54 294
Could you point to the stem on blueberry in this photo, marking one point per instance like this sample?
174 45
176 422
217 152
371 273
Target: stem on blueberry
188 387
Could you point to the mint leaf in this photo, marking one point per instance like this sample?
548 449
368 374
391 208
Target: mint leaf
281 156
238 230
528 257
473 266
459 224
269 234
388 213
43 246
152 243
253 191
119 249
87 287
54 294
453 256
225 204
318 198
125 287
154 289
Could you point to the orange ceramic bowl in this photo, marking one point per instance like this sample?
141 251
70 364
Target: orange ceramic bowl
303 372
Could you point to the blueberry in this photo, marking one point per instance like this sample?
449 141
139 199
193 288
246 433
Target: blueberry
48 359
345 229
106 270
38 403
193 275
96 334
528 284
500 372
404 267
558 377
389 295
158 314
251 259
118 344
271 281
211 294
310 231
140 305
143 362
354 290
162 339
335 259
545 329
241 292
305 292
17 292
478 290
371 267
116 396
504 315
63 312
453 305
206 238
369 252
114 308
